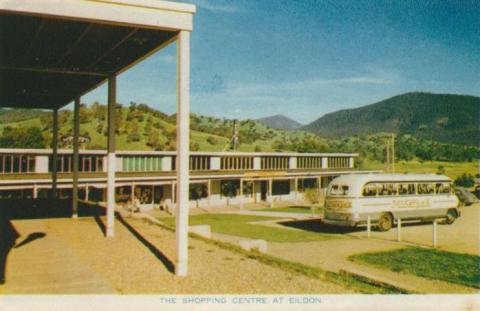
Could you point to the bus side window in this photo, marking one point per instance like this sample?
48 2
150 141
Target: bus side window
422 188
438 188
403 189
411 188
430 188
370 190
446 188
392 189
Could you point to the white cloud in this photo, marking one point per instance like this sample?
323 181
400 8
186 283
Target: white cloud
217 6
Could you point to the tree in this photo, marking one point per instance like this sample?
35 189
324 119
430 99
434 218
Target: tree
194 146
22 137
212 140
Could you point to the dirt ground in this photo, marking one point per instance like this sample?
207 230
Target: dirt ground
73 256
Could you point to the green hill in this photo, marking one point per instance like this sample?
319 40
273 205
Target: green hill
140 127
439 117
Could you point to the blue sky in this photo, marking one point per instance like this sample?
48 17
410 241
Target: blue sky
252 59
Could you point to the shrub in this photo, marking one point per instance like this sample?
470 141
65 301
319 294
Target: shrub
466 180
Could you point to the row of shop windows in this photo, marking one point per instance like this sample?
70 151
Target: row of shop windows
94 163
86 163
141 163
309 162
236 163
338 162
17 164
146 194
274 163
199 163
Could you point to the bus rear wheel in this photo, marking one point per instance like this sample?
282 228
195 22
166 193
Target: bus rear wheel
385 222
451 216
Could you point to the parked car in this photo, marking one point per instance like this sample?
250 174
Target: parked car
465 196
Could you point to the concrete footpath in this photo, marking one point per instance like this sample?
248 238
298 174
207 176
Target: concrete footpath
45 264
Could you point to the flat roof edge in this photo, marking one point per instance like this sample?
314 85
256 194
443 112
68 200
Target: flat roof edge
152 14
155 4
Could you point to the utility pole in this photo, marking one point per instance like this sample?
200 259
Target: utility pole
390 149
235 135
393 153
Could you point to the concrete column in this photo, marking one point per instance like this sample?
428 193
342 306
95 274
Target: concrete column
132 195
209 190
351 162
324 162
112 90
270 198
257 163
54 156
241 193
183 124
296 189
76 135
215 163
35 191
166 164
292 162
86 192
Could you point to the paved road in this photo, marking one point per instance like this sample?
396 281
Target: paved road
332 255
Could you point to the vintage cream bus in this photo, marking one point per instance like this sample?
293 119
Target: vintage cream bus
386 197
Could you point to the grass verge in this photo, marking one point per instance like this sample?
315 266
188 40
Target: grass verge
294 267
240 225
456 268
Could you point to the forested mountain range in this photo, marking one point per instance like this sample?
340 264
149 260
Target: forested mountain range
440 117
141 127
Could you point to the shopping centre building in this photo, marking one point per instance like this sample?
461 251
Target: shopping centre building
148 178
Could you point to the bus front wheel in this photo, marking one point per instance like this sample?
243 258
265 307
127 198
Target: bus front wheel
385 222
451 216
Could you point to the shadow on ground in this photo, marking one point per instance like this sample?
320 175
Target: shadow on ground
14 209
316 225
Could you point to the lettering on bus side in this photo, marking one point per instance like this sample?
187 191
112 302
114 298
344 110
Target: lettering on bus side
338 204
411 203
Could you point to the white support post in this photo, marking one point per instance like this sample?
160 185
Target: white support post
54 156
87 189
270 198
434 232
112 90
369 223
174 194
399 229
241 193
132 199
296 190
209 190
35 191
76 135
183 124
